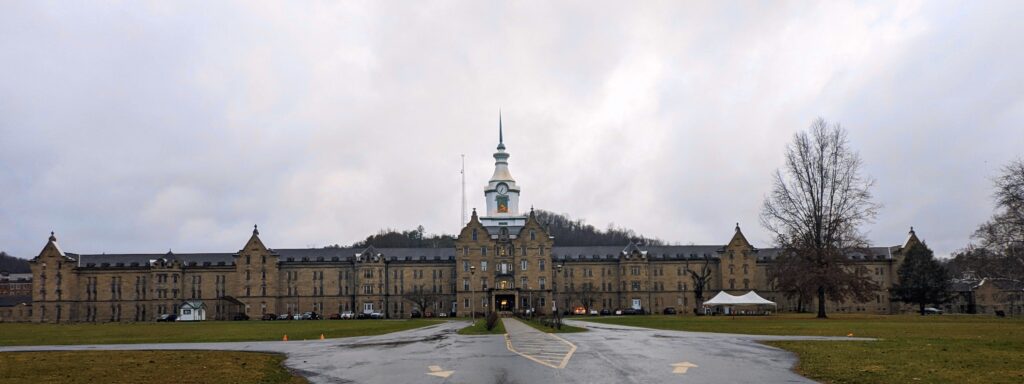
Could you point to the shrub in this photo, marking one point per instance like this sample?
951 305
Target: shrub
492 320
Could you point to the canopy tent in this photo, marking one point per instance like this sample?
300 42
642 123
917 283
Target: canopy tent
725 299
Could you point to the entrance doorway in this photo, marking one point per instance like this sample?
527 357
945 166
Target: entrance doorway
505 303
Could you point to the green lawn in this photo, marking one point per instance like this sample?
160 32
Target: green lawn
478 328
83 367
212 331
931 349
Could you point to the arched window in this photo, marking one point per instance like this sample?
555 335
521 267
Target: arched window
474 233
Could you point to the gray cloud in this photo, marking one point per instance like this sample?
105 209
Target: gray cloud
142 127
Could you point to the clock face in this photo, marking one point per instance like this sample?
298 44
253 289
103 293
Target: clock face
502 189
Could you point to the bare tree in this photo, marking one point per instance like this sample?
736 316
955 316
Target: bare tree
818 202
1003 235
586 295
701 281
787 278
421 299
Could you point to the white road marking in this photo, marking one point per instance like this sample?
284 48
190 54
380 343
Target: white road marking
435 370
681 368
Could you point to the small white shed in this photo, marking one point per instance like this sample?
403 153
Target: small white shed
192 310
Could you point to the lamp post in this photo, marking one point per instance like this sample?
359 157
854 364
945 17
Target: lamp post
472 295
558 315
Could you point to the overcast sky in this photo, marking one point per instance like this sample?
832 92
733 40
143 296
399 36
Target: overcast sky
140 127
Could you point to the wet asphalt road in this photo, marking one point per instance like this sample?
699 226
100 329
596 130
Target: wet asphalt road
436 354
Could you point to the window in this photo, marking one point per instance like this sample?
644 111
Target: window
483 251
522 265
367 307
483 265
541 266
533 235
635 271
543 282
186 311
465 264
474 233
483 283
522 283
635 285
465 284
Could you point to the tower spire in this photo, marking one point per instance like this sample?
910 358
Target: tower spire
501 135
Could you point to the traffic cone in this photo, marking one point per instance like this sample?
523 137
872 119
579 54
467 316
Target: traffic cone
285 338
321 336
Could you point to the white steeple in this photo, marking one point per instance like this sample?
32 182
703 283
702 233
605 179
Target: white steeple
501 191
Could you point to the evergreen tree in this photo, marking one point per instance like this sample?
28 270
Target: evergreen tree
923 280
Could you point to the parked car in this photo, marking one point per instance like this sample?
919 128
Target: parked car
311 316
579 311
166 318
240 317
268 317
442 314
594 312
334 316
632 311
606 312
932 311
416 314
376 315
347 315
669 311
618 312
363 315
284 316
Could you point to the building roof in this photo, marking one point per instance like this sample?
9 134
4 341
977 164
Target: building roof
4 276
1003 284
10 301
297 255
144 259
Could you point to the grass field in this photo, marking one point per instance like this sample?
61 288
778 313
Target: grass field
932 349
83 367
213 331
478 328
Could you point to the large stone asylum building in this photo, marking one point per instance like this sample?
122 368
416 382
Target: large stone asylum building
502 260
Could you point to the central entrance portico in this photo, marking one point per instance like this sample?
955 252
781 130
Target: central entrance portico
505 300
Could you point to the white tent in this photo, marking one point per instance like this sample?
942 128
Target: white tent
725 299
753 298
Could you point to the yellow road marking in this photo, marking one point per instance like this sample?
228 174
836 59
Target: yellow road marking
562 364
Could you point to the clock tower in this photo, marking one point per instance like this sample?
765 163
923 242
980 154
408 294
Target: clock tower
501 192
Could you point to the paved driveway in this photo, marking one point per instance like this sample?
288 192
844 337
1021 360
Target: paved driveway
436 354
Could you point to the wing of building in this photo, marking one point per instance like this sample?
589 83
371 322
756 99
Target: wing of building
503 260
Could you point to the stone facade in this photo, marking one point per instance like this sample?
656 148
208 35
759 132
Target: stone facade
502 261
